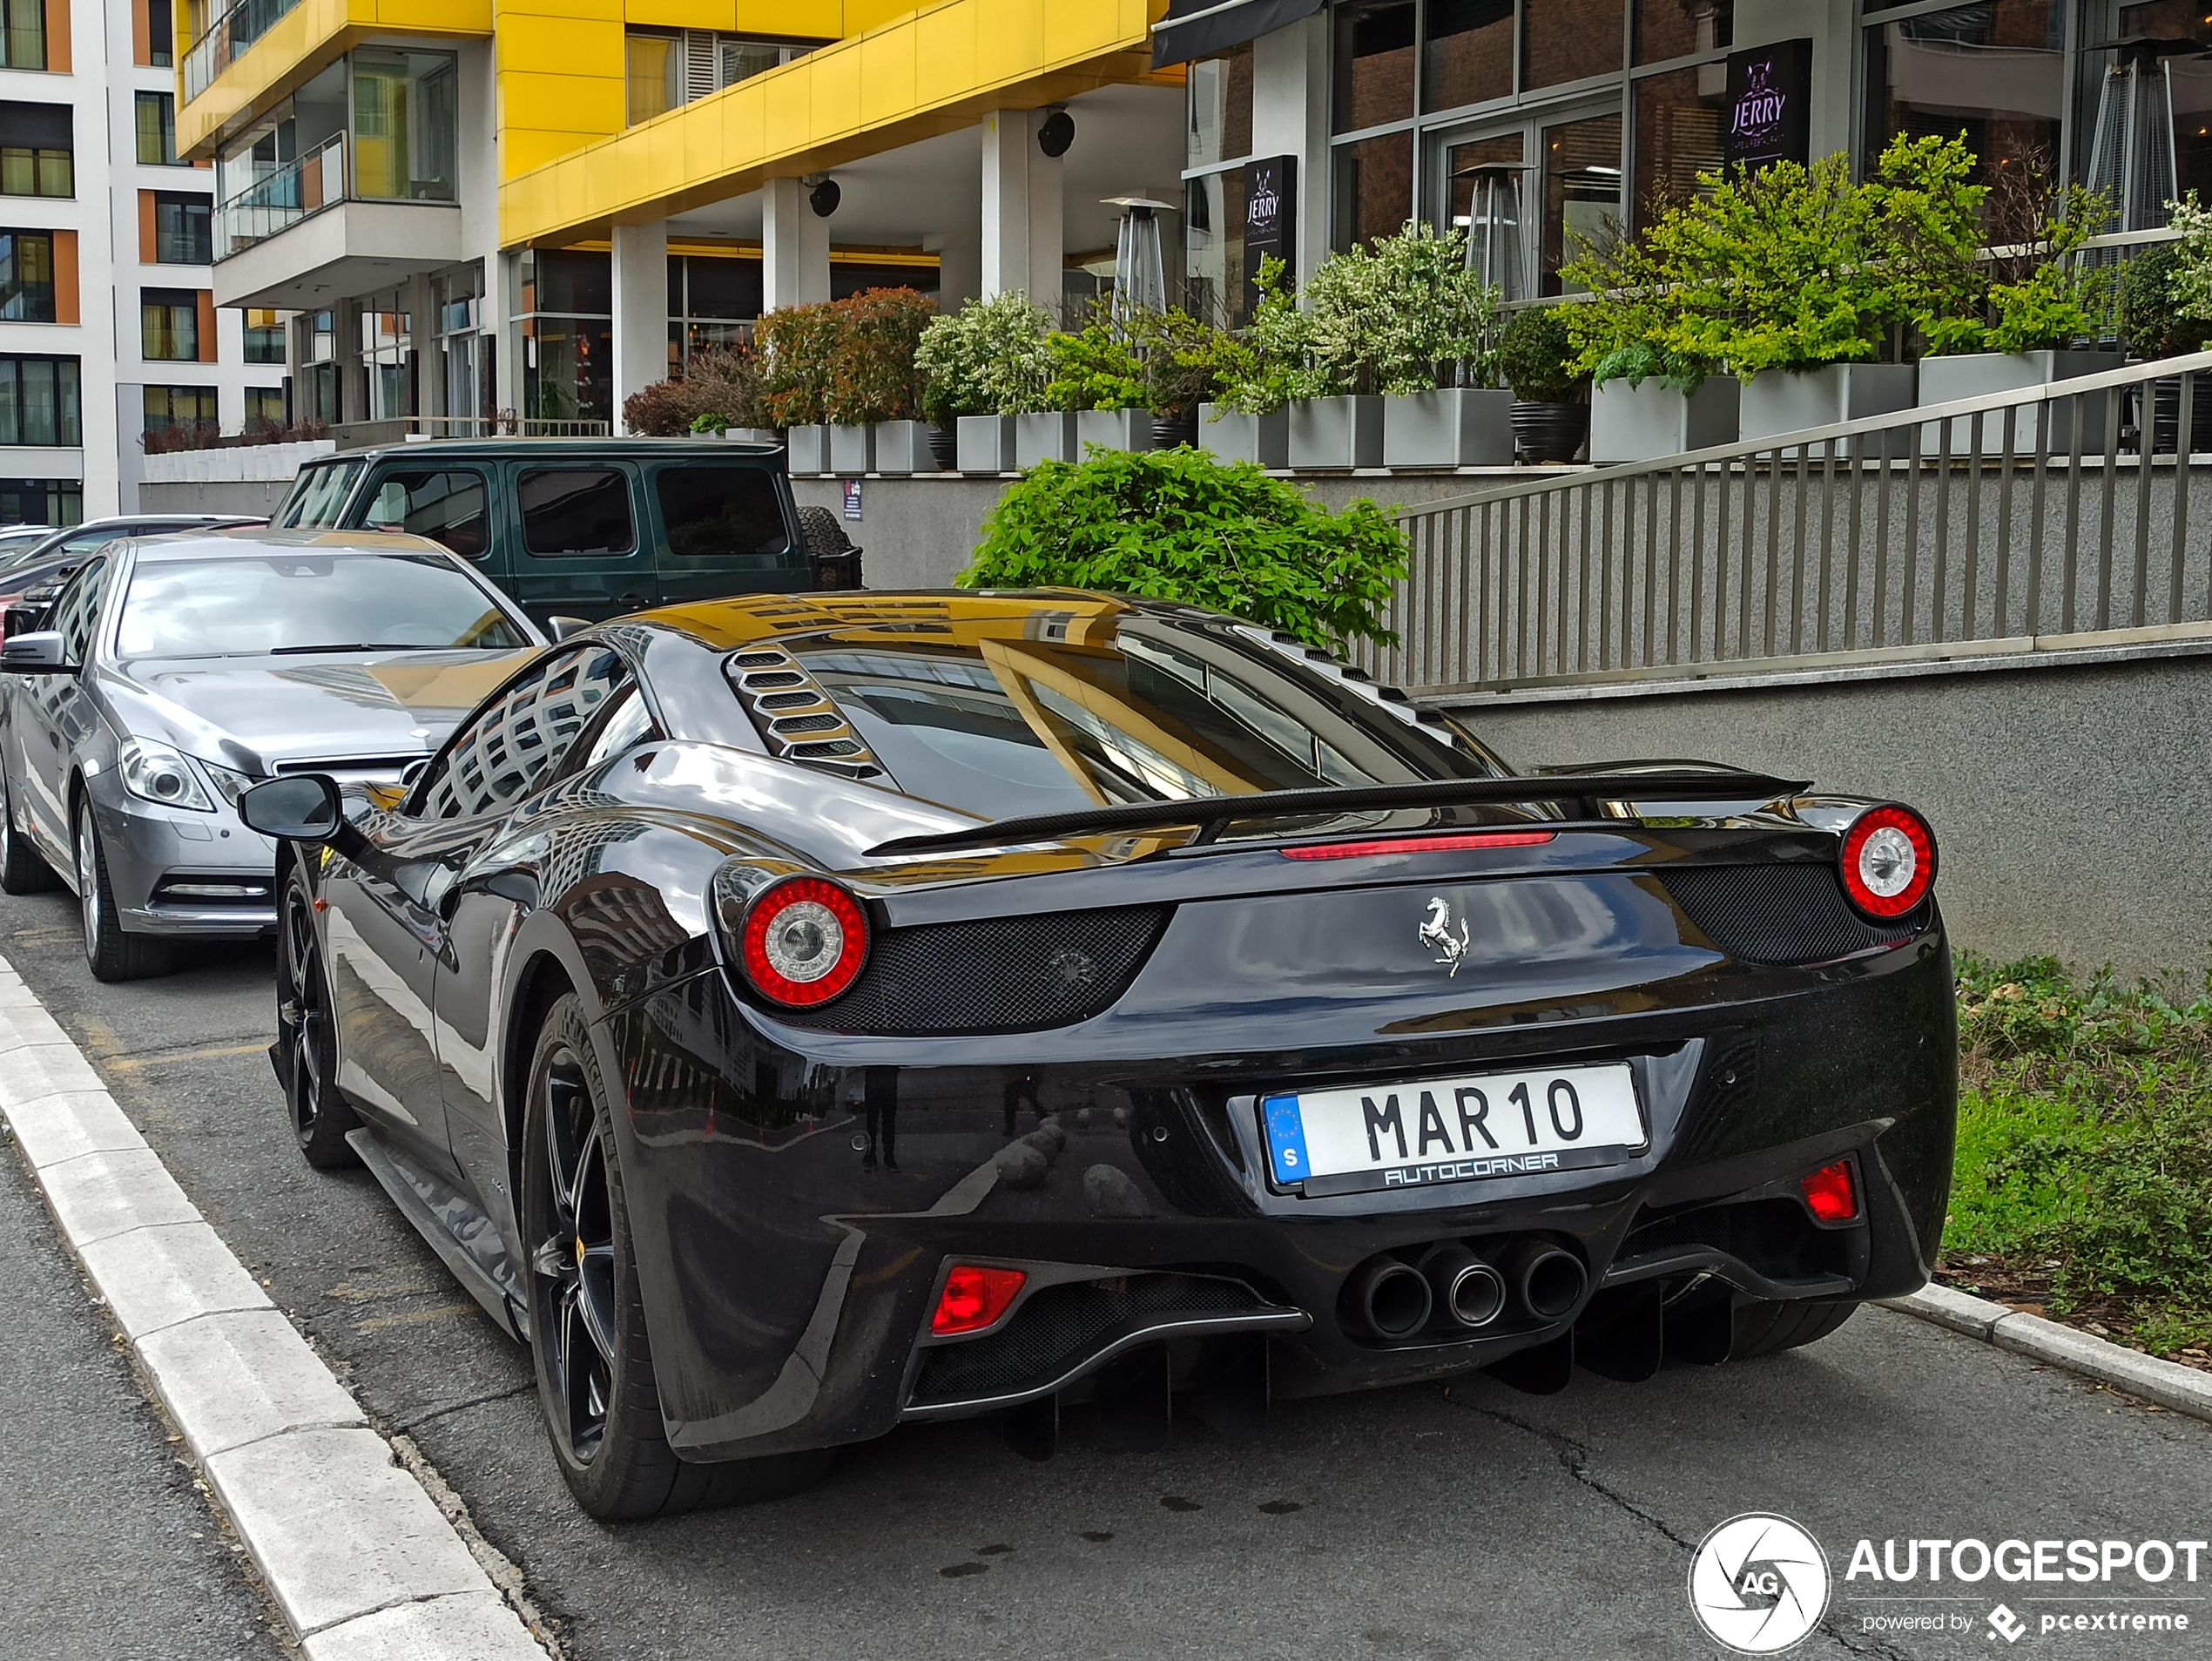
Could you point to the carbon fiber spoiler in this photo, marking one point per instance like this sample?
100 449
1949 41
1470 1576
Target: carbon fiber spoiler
1213 814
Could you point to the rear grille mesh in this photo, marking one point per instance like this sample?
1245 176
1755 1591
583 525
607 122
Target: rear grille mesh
1004 974
1060 1326
1779 913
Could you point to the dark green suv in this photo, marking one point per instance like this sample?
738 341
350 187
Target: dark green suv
594 527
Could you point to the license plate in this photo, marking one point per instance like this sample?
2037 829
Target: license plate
1452 1130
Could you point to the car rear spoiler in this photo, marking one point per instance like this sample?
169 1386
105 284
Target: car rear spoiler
1213 814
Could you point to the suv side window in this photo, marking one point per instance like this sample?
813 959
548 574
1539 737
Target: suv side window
446 504
318 494
77 608
713 510
575 512
519 739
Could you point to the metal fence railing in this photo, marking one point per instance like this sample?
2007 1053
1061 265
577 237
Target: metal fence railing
232 30
305 185
2017 522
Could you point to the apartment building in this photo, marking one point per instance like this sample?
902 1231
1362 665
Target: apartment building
108 325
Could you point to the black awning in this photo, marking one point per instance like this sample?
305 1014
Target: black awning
1198 28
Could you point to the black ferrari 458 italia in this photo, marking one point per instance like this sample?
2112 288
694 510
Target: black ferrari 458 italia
798 1016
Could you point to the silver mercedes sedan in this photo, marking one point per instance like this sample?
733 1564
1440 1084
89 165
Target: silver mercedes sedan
172 673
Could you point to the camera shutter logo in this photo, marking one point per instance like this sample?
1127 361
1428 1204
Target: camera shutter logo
1759 1584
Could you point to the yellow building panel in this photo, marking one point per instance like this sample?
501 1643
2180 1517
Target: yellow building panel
921 73
809 19
860 16
570 102
554 46
682 14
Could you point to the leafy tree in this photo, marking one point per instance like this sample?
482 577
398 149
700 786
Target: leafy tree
1180 525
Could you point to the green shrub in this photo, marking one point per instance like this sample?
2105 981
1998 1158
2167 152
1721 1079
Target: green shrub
2036 295
1179 525
720 390
1094 367
872 374
990 358
2165 300
798 345
1534 350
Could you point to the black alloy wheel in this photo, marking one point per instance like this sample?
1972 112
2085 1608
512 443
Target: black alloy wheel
306 1051
22 869
595 1364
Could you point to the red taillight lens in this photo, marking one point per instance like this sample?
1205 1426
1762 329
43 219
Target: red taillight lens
804 940
974 1298
1419 845
1830 1194
1889 861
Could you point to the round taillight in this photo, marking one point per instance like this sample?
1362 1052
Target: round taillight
1889 861
804 940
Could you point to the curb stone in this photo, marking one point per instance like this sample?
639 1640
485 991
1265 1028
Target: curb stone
2168 1384
357 1555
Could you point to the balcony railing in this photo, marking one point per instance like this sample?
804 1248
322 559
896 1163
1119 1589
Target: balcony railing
2055 518
234 29
283 199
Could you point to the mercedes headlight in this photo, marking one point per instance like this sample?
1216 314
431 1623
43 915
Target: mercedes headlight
157 773
228 785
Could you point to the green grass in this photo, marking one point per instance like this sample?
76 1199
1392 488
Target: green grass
2083 1180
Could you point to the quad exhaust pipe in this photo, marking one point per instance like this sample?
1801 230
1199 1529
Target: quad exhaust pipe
1451 1284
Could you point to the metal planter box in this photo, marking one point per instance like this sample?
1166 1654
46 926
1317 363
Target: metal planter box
1643 423
1047 435
1113 429
1451 426
1788 401
808 449
903 447
1233 437
1977 375
852 449
753 435
986 443
1336 433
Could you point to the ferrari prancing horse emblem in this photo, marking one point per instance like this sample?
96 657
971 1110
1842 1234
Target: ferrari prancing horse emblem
1436 935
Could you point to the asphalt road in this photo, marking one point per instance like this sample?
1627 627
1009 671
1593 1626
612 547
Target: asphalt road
1422 1521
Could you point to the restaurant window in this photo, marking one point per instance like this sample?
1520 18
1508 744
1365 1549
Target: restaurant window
1993 72
157 128
1669 28
27 276
1563 41
181 409
1213 242
1374 63
1468 54
264 335
2164 76
36 150
169 325
1485 186
713 301
565 324
1582 162
38 401
1220 104
183 229
1374 188
1678 136
23 34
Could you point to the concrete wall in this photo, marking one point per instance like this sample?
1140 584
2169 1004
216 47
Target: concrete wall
250 498
2070 803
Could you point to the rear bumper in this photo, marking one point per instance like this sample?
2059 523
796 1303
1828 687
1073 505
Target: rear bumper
793 1217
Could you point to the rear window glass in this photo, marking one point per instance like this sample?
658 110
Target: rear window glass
717 512
1115 708
575 512
318 494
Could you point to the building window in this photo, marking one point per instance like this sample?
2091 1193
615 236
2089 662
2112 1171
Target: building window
169 325
41 502
563 319
27 276
183 229
464 354
712 305
38 401
669 67
406 125
1220 105
181 409
23 35
157 114
161 34
264 408
264 335
318 366
386 350
36 150
1994 72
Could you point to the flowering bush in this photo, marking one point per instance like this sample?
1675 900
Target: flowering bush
990 358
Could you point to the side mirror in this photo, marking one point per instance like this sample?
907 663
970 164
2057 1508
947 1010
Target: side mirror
43 653
561 628
301 808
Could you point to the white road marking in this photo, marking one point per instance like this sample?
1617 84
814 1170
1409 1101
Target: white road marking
359 1557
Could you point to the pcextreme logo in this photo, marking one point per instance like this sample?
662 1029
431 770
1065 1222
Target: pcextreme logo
1759 1584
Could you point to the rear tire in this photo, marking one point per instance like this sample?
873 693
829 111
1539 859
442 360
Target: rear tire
307 1038
111 954
22 870
594 1365
1768 1328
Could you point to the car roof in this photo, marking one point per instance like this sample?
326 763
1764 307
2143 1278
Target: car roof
247 542
966 615
557 449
